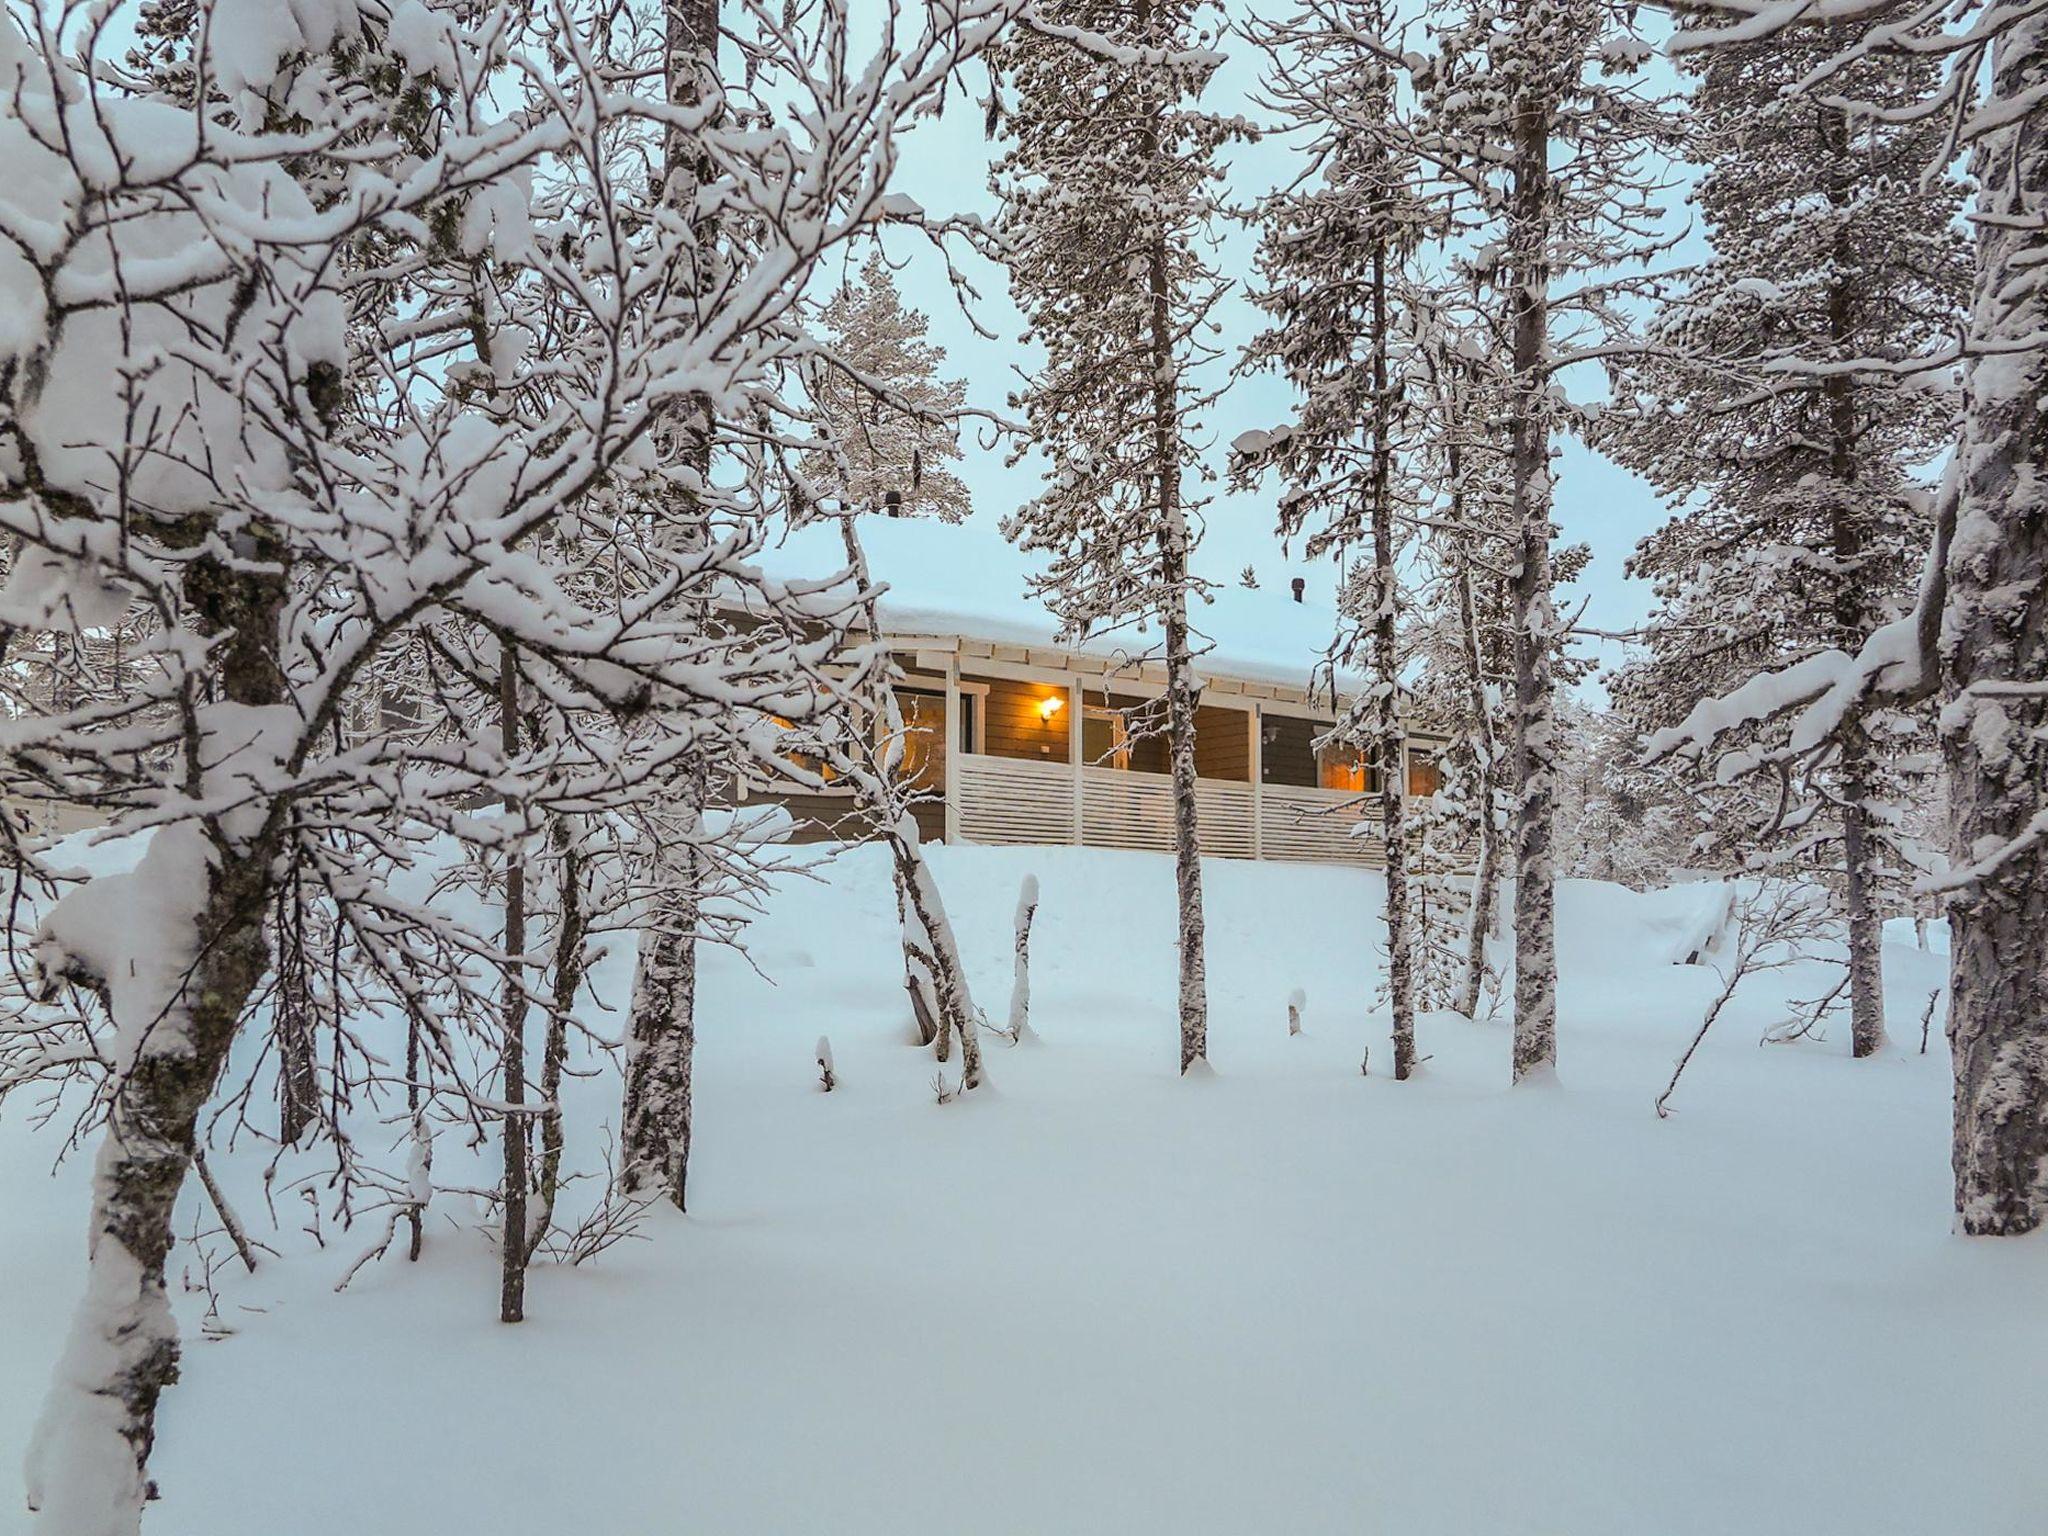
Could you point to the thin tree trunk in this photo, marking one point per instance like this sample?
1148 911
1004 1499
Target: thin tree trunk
1535 617
568 969
662 1031
512 1240
1996 632
1020 978
298 1078
1187 850
1865 921
933 972
1387 743
1483 916
1861 848
1181 691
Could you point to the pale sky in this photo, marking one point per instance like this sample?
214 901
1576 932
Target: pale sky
945 167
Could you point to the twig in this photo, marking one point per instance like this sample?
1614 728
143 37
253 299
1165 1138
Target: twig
230 1223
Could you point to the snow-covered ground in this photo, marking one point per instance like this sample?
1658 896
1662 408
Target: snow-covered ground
1101 1299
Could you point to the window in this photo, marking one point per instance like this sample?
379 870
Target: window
924 738
1425 774
808 762
1345 767
1105 737
970 710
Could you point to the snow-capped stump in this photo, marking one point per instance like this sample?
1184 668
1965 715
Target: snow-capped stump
828 1079
1297 1010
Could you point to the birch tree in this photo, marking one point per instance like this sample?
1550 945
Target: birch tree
234 402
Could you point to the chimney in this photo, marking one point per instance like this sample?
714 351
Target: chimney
1300 585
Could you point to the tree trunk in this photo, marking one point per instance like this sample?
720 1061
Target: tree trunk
1187 848
1535 617
1860 857
654 1138
512 1057
1995 635
662 1031
298 1078
1020 979
949 976
1387 744
88 1463
1861 848
568 967
1482 918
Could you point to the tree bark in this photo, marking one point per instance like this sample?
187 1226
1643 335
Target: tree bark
1995 635
662 1031
570 927
512 1050
654 1139
1387 743
1482 917
1535 617
88 1465
1861 847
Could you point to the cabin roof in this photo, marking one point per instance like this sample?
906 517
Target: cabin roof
965 579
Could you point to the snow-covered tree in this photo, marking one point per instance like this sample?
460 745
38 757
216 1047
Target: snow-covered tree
1110 191
1768 406
1978 631
1334 276
1540 113
241 396
883 405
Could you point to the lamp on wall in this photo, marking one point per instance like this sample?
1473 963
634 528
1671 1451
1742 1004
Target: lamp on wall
1049 706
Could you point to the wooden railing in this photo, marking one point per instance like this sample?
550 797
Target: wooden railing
1015 800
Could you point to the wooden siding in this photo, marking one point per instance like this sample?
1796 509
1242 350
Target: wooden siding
1015 728
1148 754
1289 755
1223 745
835 818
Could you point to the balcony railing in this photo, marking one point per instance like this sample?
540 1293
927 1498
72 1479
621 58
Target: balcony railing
1016 800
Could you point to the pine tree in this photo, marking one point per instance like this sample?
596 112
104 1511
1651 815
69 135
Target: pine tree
1766 407
1109 194
1978 632
1334 258
1537 114
883 406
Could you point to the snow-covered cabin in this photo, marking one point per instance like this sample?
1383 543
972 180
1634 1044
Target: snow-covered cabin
1022 738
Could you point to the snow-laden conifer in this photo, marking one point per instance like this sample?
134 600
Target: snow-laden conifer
1110 191
1769 406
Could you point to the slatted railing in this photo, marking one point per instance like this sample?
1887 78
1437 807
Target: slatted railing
1014 800
1321 826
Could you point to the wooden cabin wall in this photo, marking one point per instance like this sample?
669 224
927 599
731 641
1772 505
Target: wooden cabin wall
1223 747
835 818
1014 727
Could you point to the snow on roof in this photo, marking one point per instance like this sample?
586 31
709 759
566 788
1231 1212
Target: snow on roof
966 579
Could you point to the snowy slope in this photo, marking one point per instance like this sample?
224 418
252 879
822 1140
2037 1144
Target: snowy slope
1287 1300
